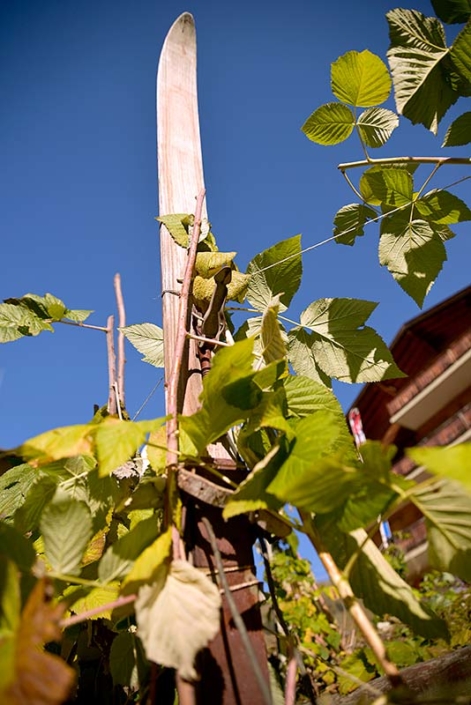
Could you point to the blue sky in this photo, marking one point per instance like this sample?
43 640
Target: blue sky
78 177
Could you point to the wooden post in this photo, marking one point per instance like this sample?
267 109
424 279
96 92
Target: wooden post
227 676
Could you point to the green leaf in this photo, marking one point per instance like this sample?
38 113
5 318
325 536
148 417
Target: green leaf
273 338
149 561
123 664
96 597
175 225
304 396
342 346
447 511
413 252
302 357
459 132
14 486
16 322
16 548
209 263
117 441
177 617
119 558
39 495
148 339
349 222
376 126
443 208
460 53
391 186
66 526
309 478
251 494
59 443
10 598
375 581
282 265
416 58
230 392
330 124
452 462
452 11
360 79
77 315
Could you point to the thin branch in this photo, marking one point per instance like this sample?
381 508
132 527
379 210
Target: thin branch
406 160
175 374
83 616
121 339
112 406
79 324
353 606
238 621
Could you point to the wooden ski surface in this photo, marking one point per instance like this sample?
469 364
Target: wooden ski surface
180 172
226 672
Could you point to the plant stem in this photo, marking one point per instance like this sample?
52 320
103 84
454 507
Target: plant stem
83 616
112 405
174 379
78 324
406 160
238 621
121 339
353 606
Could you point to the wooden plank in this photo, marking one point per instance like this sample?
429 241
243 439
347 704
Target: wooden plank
226 672
180 173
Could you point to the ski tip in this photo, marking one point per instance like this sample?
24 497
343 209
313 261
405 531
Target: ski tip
185 21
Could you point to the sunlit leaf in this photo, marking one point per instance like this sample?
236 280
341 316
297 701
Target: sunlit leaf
447 511
273 338
251 494
120 556
93 599
413 252
39 677
77 315
175 226
275 271
59 443
343 346
360 79
349 222
302 356
330 124
309 477
148 339
387 185
418 49
66 526
177 616
117 441
14 486
149 561
442 207
376 126
452 462
304 396
459 132
230 391
16 322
